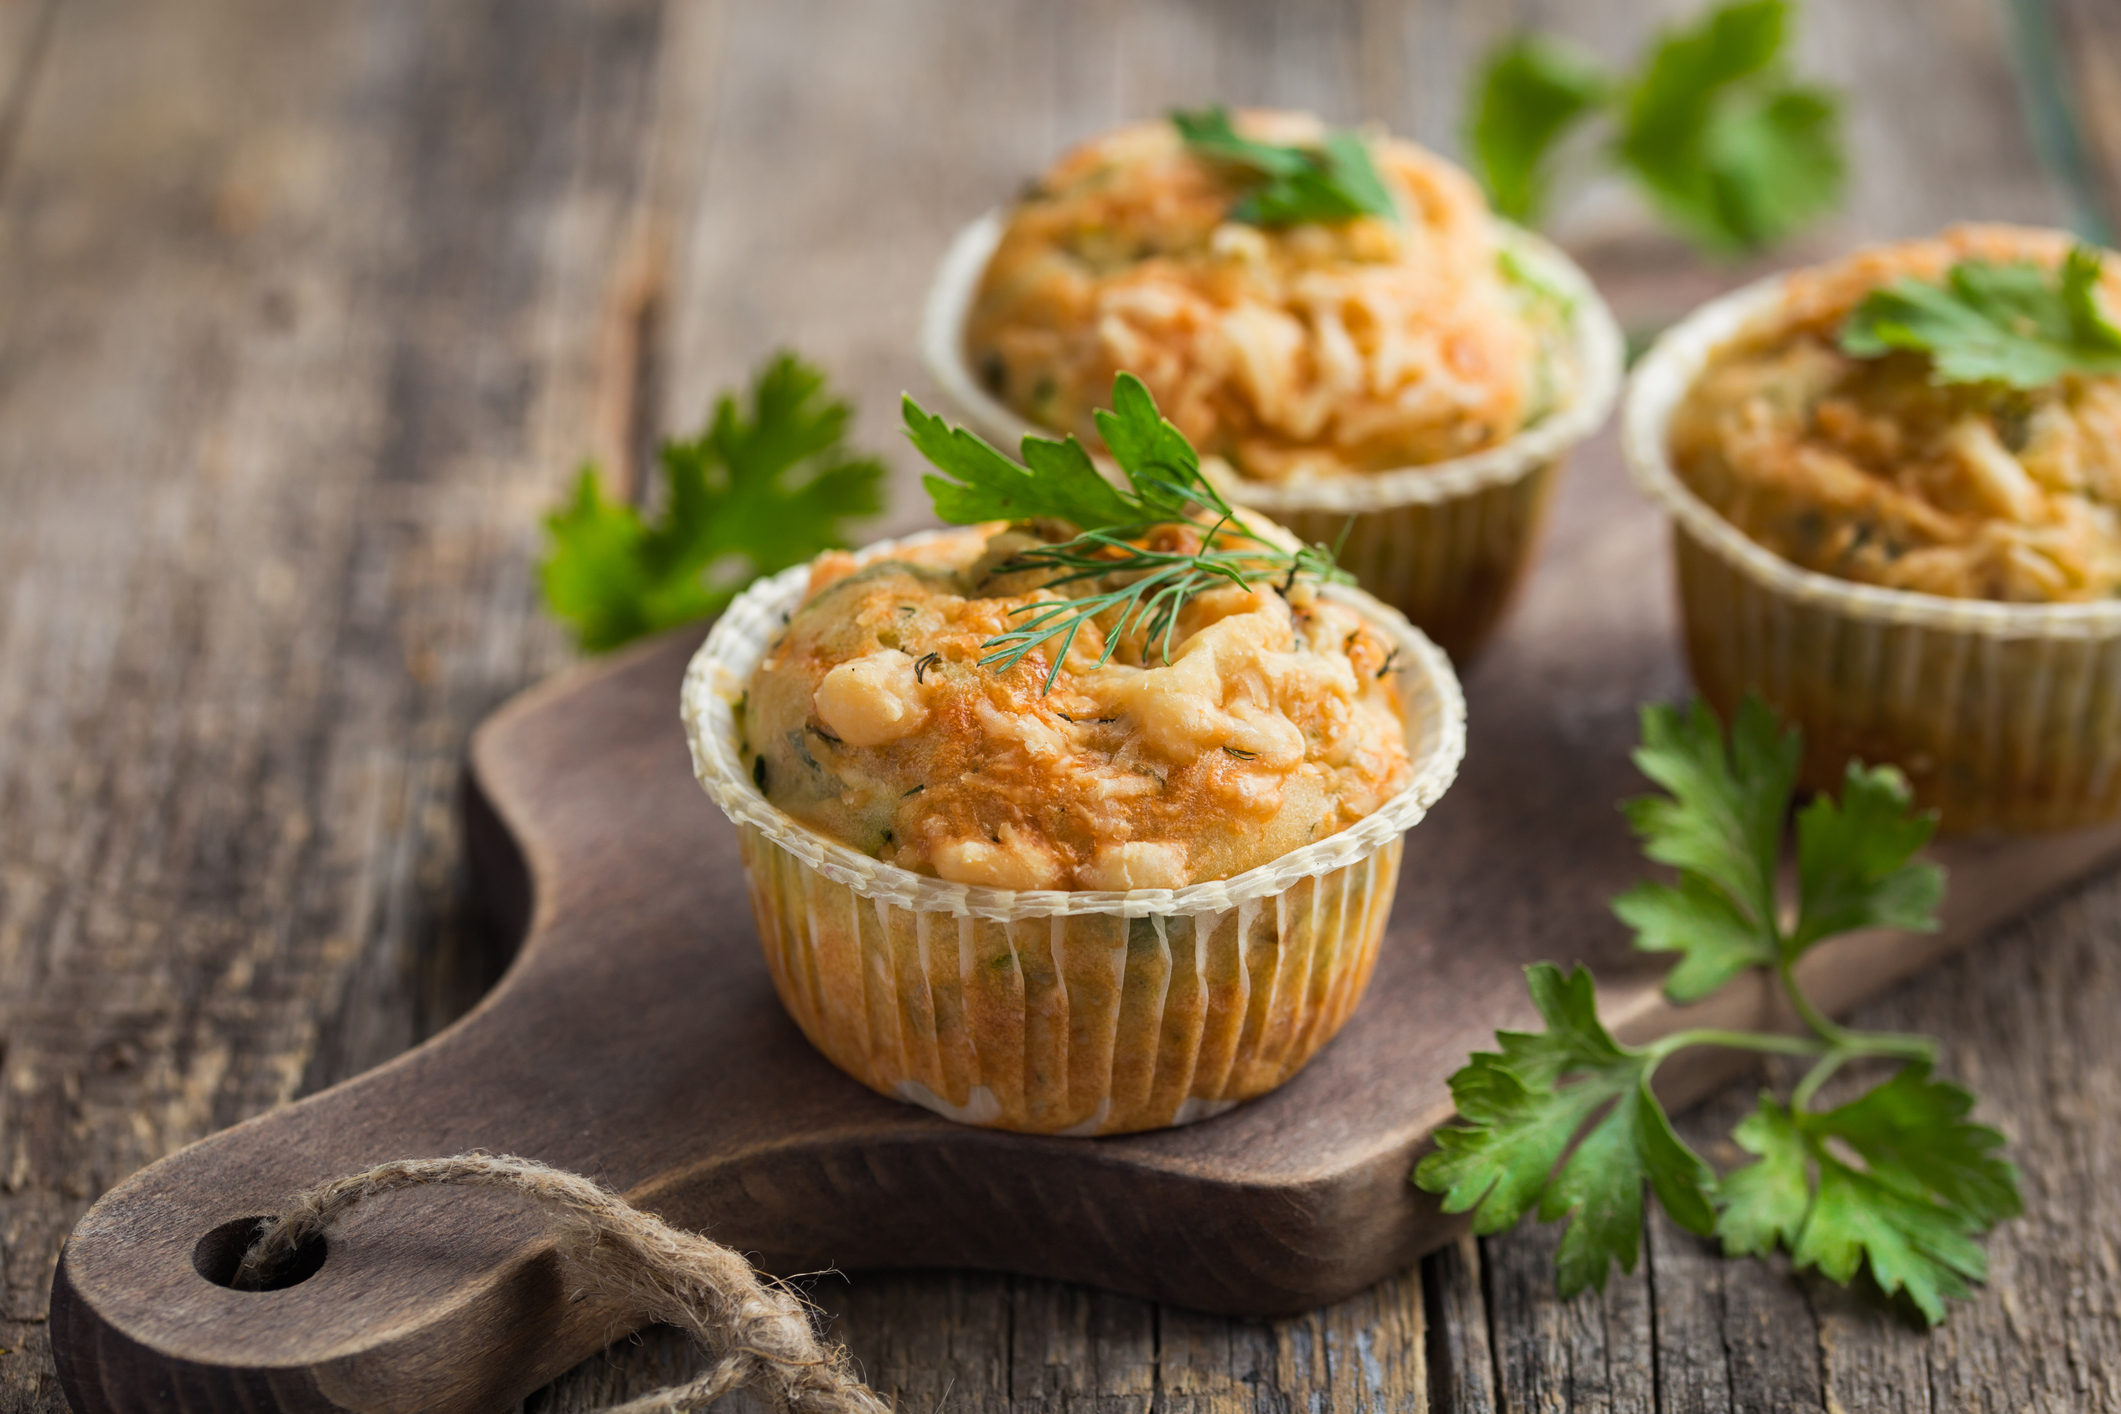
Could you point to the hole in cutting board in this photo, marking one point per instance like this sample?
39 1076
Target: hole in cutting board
221 1251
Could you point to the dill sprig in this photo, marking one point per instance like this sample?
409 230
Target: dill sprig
1158 584
1057 481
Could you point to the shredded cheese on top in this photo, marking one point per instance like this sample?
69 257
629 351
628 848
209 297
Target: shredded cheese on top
1311 351
1867 470
1276 722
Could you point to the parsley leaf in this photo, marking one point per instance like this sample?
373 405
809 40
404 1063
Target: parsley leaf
1853 860
1722 822
2009 322
1564 1122
1929 1184
750 495
1727 147
1764 1204
1718 939
1733 153
1913 1133
1057 479
1532 92
1333 182
1524 1110
1721 826
1911 1244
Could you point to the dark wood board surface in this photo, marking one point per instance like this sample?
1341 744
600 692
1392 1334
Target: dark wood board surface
307 312
637 1039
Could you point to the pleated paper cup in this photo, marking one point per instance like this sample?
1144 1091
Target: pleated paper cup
2003 716
1446 543
1064 1012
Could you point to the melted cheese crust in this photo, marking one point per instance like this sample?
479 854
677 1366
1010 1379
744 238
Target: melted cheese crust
1314 350
1273 725
1866 470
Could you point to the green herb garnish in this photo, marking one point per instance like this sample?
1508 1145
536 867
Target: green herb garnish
1731 150
1057 481
2008 322
1564 1120
1333 182
748 496
1531 92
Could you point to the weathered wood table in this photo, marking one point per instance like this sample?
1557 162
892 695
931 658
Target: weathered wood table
307 313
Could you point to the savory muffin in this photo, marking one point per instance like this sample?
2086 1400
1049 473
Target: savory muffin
1894 481
1265 722
1081 822
1872 469
1294 351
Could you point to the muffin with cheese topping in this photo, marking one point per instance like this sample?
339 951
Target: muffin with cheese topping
1870 469
1087 897
1420 366
1294 352
1916 564
872 721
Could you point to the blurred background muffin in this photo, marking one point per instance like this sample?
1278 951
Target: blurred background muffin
1334 318
1875 469
1896 481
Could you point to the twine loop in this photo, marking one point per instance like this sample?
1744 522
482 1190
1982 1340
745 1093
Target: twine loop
762 1335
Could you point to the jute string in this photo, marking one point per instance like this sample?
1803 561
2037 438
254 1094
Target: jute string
609 1249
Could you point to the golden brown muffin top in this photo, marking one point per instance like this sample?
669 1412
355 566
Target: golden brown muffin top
1868 470
1311 350
1275 723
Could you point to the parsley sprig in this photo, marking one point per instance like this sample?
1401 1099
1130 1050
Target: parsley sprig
1730 149
1114 526
2009 322
1333 182
750 495
1563 1121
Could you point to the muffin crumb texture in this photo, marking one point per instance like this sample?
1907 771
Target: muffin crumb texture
1294 353
1867 470
1275 722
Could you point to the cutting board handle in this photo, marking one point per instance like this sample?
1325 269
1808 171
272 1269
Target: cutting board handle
434 1298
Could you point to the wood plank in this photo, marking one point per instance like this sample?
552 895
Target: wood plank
297 313
971 1341
1730 1336
930 1340
1461 1354
25 36
1214 1365
1591 1355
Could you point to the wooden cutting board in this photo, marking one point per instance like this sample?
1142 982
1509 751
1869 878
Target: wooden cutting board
637 1038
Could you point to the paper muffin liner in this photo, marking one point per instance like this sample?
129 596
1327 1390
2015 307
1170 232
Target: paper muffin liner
2004 716
1446 543
1064 1012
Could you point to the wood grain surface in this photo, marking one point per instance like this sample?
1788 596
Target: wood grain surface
637 1039
305 314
